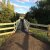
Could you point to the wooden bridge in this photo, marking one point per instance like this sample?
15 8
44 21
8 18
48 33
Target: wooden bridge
21 40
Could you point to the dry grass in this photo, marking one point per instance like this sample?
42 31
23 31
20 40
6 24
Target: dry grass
4 37
39 33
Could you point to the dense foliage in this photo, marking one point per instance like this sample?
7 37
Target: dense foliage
16 17
40 13
7 13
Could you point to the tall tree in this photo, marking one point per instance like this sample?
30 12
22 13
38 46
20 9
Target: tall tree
40 13
7 12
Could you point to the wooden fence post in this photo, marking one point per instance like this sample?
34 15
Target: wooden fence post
48 33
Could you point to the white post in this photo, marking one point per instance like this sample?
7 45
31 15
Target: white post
48 32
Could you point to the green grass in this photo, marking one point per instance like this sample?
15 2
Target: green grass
3 38
39 34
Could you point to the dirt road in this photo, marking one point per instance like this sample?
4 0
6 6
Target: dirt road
23 41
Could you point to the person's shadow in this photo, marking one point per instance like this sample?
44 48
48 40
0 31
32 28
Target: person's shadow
25 43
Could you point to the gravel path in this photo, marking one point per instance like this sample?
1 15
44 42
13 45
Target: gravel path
23 41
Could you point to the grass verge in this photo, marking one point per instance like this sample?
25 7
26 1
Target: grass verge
3 38
39 34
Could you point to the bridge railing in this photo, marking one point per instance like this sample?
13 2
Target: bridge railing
39 25
43 26
6 28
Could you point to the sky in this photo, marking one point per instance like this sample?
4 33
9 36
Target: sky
22 6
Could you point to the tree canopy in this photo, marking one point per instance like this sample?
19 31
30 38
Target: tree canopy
39 14
7 13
